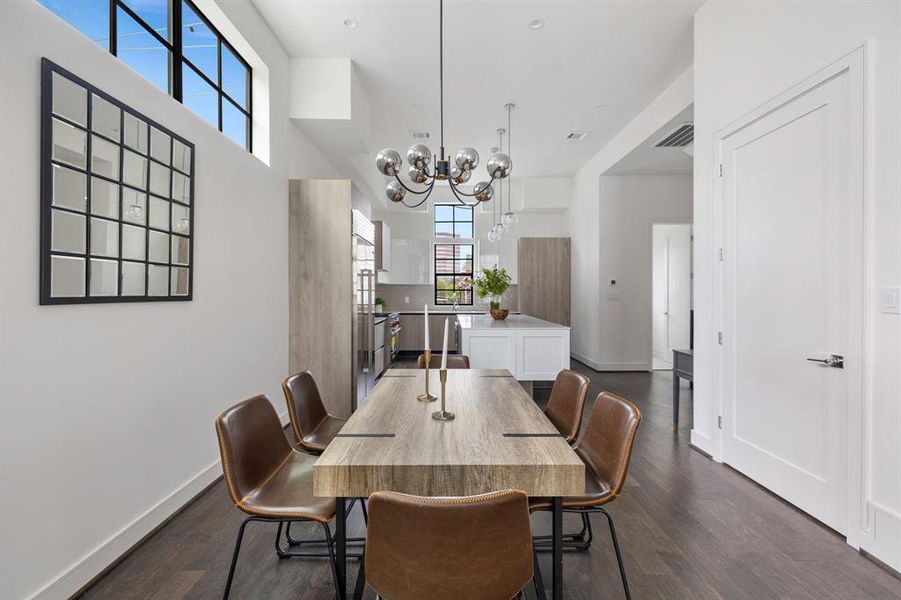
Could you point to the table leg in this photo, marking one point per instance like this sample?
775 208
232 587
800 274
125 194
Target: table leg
557 534
675 400
341 546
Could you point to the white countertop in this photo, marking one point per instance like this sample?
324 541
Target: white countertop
470 322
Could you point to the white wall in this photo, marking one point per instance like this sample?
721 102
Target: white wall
584 218
106 411
629 204
736 73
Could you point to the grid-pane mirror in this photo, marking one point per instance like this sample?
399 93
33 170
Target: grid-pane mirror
117 199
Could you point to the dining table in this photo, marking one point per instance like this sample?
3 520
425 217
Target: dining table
499 439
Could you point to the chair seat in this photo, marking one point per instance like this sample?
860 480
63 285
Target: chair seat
288 493
319 439
597 492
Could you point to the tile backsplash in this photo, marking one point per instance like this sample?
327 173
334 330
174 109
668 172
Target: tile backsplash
419 295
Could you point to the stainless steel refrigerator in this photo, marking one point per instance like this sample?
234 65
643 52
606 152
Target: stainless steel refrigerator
363 271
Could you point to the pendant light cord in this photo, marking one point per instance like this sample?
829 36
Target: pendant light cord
441 67
510 154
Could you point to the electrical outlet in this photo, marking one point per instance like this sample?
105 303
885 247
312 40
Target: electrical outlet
406 299
890 300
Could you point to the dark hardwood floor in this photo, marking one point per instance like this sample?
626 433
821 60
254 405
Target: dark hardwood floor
689 528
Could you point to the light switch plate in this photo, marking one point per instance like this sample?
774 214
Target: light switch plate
890 300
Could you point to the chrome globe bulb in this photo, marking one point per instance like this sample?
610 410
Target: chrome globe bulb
499 166
483 192
388 162
459 175
419 156
417 175
467 159
395 191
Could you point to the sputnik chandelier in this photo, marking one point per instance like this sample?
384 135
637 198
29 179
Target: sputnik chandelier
419 157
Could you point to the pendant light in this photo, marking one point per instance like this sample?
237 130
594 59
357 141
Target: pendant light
510 218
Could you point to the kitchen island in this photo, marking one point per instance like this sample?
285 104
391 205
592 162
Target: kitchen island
530 348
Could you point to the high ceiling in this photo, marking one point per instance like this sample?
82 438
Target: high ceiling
591 67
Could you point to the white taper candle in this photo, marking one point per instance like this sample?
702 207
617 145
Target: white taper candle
427 327
444 353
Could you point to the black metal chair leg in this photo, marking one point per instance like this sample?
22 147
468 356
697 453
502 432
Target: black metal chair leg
231 569
619 556
365 512
360 585
331 556
537 581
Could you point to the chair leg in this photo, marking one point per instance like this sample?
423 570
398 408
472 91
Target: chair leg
536 577
365 512
360 585
231 569
572 541
619 556
331 556
282 553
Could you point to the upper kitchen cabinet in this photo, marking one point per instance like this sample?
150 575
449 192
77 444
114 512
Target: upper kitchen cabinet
409 262
382 246
503 254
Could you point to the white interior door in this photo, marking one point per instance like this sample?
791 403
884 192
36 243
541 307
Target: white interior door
671 303
791 270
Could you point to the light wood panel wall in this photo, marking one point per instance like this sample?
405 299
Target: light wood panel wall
412 336
320 288
545 278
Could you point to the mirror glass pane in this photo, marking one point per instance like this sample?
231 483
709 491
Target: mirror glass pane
104 277
181 187
159 247
180 219
134 206
181 250
181 157
133 242
159 213
134 167
104 198
69 188
70 100
157 280
179 281
160 145
104 158
133 279
159 179
68 232
69 144
67 277
104 238
135 133
106 118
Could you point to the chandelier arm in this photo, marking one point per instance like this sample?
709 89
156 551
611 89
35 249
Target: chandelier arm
425 191
461 200
462 193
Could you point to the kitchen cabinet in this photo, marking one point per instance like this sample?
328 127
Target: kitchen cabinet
503 254
382 246
412 336
544 288
410 262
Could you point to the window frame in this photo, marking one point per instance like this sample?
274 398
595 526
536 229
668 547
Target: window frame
178 60
454 273
453 222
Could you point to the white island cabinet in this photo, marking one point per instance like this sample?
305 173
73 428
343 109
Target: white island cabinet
530 348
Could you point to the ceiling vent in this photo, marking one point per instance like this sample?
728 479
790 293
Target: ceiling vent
681 136
577 135
420 135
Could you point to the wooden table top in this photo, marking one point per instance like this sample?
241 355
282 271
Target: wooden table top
392 442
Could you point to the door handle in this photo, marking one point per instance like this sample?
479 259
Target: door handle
836 361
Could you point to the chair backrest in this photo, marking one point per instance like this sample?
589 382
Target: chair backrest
454 361
305 407
564 409
476 547
252 444
606 443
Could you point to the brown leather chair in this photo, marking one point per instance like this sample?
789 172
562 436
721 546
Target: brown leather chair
564 408
313 427
266 478
476 547
605 447
454 361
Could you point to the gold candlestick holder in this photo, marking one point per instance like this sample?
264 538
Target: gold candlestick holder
443 415
427 397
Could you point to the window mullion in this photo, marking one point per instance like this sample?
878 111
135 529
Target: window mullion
177 51
113 29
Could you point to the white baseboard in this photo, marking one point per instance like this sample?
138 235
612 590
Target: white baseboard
585 360
885 544
702 442
80 574
597 366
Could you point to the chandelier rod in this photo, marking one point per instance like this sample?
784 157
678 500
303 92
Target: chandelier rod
441 68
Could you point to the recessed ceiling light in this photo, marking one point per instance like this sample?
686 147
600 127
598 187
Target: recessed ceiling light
601 107
577 135
350 23
536 23
414 107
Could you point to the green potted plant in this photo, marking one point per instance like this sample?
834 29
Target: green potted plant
380 304
492 283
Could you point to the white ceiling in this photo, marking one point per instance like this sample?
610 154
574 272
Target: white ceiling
645 159
618 54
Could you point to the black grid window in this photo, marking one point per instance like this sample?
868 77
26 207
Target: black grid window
453 273
175 47
453 221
